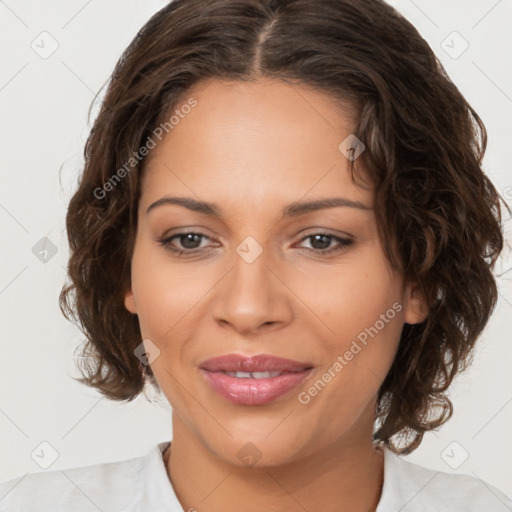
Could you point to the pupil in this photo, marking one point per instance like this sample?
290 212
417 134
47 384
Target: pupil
188 239
325 244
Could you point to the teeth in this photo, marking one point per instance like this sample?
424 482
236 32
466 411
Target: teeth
242 375
253 375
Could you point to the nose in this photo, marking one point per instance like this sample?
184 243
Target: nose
253 296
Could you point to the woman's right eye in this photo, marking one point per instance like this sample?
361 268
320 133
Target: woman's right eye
187 240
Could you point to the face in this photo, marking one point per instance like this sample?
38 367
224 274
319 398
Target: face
252 276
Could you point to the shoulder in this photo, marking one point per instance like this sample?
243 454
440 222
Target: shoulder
410 487
109 486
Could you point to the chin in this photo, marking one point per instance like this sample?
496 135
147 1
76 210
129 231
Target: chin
256 452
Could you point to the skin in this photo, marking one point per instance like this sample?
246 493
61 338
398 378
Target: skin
252 149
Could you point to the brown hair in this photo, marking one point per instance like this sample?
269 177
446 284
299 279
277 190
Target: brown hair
438 215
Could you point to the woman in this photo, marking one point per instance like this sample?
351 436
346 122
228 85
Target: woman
280 202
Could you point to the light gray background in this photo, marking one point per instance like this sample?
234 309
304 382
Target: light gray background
44 103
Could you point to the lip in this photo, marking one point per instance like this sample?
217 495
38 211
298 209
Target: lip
251 391
258 363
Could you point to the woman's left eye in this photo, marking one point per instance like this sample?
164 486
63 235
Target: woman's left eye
320 242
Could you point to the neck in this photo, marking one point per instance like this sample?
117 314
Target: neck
340 477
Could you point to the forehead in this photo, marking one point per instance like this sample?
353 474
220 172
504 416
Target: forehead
260 142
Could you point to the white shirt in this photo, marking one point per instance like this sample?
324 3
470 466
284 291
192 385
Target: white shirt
141 485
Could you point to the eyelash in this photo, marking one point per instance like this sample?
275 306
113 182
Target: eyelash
166 243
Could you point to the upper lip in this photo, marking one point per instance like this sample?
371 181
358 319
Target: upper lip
258 363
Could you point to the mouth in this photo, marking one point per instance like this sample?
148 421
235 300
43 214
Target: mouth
256 380
254 375
238 363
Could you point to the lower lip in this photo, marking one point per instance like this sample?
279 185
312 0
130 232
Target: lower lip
254 391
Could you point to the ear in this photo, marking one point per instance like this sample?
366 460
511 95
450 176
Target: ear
416 310
129 301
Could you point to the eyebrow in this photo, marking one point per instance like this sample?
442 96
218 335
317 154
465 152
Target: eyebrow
292 210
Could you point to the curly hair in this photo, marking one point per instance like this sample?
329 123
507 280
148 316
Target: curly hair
438 215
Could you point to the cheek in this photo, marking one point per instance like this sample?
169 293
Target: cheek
361 306
356 362
168 296
353 295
